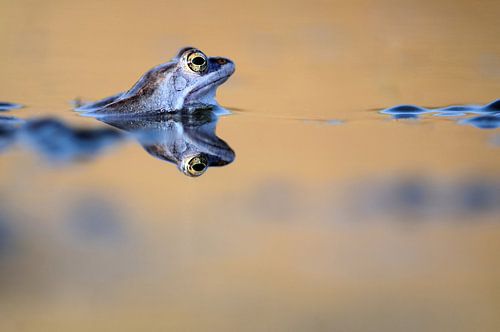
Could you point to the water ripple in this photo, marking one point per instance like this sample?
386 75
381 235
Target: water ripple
5 106
484 116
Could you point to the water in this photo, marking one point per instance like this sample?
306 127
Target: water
333 216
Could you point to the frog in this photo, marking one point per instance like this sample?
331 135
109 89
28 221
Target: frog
188 81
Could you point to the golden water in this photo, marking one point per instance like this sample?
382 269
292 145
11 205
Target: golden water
304 231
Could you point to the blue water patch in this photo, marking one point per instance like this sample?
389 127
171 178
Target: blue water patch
405 109
478 196
55 140
58 141
4 106
426 198
405 116
334 122
96 219
495 140
450 114
492 107
8 131
6 234
483 121
484 116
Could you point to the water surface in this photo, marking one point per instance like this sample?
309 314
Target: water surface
332 217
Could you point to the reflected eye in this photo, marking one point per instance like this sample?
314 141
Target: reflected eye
197 62
195 166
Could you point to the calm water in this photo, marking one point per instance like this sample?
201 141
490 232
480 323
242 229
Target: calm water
364 194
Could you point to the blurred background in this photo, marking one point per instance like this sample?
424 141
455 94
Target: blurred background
333 217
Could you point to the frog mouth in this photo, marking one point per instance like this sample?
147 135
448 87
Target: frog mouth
207 86
204 92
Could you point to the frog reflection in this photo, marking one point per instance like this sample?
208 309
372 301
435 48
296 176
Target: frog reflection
186 139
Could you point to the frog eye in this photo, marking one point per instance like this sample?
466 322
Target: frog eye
195 165
197 62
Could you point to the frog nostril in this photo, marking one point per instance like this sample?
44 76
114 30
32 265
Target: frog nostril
221 61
